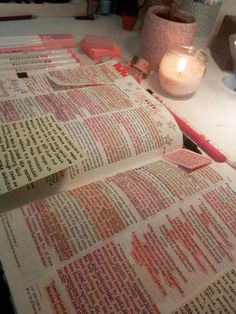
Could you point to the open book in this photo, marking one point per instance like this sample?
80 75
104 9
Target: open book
117 124
124 231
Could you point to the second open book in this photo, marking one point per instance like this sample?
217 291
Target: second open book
129 232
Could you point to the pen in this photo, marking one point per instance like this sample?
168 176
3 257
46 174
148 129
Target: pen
26 70
85 18
24 37
17 17
16 44
33 53
190 145
42 65
194 136
36 58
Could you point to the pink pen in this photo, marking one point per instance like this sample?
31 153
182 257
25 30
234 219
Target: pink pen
199 140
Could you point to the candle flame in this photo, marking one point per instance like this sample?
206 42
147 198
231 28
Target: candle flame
181 65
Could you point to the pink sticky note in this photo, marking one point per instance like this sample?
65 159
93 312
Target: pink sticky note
187 159
99 41
97 53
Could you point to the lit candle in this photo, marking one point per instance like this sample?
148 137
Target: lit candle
181 70
181 65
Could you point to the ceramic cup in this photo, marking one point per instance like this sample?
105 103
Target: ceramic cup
158 33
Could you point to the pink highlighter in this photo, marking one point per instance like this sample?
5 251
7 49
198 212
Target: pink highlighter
199 140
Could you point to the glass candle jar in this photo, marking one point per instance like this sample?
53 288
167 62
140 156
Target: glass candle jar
181 70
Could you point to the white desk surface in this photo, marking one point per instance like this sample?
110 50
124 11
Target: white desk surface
211 110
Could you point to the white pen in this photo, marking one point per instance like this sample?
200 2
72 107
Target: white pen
32 53
28 70
35 58
20 37
18 40
18 44
28 66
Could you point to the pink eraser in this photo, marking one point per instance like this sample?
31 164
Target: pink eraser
98 41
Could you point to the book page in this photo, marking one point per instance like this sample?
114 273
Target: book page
143 240
117 126
21 84
102 73
217 297
31 149
26 82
